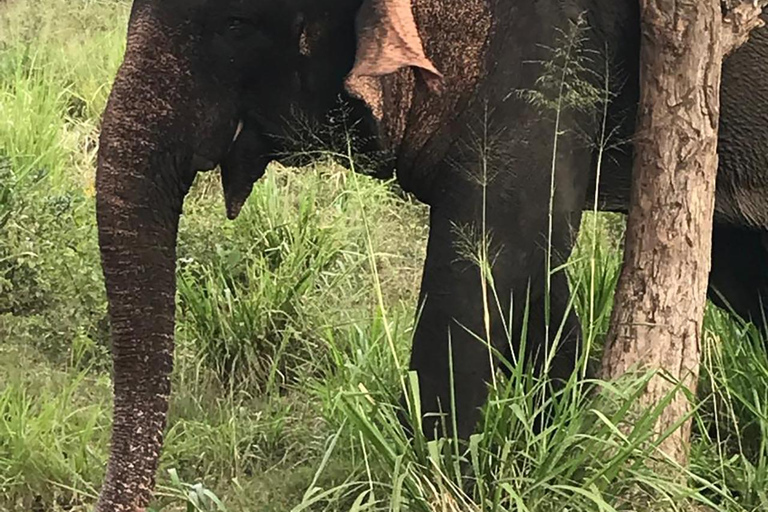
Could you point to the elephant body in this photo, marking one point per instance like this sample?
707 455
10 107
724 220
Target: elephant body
489 111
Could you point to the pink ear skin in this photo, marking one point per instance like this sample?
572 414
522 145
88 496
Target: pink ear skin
388 40
245 163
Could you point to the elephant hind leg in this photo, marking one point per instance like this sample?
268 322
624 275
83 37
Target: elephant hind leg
739 278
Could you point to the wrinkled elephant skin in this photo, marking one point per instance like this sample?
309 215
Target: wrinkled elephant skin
448 92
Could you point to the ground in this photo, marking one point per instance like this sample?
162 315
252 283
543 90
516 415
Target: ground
293 334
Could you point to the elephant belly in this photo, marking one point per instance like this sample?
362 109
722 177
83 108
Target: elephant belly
742 182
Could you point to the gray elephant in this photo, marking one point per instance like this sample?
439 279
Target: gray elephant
449 93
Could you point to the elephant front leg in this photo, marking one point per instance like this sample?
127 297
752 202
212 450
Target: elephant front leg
472 310
450 315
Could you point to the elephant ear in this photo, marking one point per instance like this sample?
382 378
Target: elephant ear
388 41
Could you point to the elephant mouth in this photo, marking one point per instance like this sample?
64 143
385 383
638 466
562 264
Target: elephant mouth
244 163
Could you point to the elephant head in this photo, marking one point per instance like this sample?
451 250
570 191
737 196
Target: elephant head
206 83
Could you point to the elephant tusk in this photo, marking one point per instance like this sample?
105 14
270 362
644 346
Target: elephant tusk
238 131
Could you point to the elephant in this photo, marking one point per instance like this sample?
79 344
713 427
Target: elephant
448 96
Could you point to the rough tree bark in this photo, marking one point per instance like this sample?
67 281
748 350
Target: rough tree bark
661 295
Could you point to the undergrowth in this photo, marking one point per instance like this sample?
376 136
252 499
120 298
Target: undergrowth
294 324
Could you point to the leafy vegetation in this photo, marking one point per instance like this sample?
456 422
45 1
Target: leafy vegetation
294 328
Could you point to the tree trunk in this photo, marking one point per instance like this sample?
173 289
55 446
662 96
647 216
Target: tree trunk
659 305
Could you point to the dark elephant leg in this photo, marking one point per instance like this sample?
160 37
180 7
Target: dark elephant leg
739 277
451 306
558 349
557 356
453 310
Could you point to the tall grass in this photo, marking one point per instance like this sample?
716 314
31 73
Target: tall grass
294 325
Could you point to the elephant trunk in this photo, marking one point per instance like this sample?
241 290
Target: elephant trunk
144 172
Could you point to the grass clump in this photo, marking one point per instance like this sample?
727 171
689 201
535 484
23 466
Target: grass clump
53 433
261 298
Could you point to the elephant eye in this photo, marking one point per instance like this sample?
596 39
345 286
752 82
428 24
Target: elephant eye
247 31
239 24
